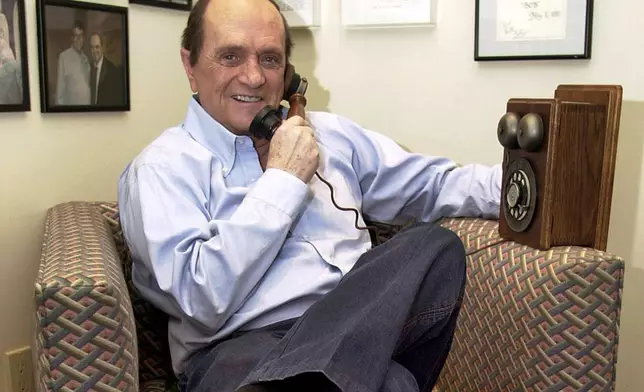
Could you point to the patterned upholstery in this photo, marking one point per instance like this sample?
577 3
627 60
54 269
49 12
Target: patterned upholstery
86 335
532 320
151 324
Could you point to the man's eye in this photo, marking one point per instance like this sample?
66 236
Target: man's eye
271 60
230 59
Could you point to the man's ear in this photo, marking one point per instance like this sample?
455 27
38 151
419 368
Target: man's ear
185 59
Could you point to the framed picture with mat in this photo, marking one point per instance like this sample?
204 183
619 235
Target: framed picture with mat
14 66
84 56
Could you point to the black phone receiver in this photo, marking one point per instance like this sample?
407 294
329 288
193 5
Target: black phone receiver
269 118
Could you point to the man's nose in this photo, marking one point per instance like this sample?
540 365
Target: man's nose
253 74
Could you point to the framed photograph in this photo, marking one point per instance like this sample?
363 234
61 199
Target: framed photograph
533 29
300 13
358 14
83 53
181 5
14 67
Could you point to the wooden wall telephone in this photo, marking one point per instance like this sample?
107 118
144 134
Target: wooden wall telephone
559 166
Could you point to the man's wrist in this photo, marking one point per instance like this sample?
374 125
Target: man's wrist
281 190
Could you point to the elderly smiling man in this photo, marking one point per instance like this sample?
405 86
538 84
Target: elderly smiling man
267 285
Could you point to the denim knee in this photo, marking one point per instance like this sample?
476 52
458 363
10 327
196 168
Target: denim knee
449 267
431 234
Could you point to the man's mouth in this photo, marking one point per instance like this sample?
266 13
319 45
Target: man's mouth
247 98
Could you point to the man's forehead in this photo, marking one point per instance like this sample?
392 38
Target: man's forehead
243 7
247 40
250 37
249 15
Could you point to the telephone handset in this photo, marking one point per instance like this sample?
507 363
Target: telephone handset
269 119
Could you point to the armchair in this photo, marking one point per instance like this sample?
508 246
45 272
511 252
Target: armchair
532 320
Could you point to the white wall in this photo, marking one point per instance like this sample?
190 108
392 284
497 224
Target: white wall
420 86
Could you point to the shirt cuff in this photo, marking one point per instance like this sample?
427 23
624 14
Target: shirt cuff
281 190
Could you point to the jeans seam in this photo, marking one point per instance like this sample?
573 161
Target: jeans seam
286 371
424 316
431 312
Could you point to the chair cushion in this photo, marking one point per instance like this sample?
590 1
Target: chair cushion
151 324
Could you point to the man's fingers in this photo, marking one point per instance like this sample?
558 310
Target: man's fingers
306 129
297 121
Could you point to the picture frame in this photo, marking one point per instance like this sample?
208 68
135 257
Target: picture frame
368 14
180 5
300 13
83 51
533 29
14 62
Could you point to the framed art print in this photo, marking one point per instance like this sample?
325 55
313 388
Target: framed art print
357 14
300 13
83 53
14 67
533 29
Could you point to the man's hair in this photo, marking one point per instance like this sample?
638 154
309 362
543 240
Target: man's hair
193 34
79 25
100 37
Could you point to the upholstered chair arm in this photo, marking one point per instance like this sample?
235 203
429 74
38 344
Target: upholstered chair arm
85 330
534 320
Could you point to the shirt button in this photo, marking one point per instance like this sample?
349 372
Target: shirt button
224 170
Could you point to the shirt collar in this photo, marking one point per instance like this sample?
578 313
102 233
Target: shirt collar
210 133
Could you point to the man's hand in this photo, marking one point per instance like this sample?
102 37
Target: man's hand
294 149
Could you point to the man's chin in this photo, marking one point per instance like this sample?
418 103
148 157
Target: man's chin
242 124
248 113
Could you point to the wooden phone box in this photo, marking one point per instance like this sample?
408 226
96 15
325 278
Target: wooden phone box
559 165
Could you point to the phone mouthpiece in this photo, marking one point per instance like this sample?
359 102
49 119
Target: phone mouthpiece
265 123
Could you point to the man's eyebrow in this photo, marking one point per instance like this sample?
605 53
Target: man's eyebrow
272 50
276 50
230 48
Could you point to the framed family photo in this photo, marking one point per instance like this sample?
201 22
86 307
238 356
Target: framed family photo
14 67
533 29
84 56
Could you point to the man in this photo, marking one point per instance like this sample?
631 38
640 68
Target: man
268 286
106 85
72 83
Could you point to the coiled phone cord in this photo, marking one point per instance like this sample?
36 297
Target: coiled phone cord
355 211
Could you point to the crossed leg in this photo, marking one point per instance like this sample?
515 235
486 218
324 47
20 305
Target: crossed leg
388 326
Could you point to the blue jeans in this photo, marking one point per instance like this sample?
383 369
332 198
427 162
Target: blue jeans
388 326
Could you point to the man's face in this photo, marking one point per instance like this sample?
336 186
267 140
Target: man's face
242 62
78 38
96 48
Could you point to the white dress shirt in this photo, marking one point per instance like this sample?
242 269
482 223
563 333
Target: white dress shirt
72 86
98 78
